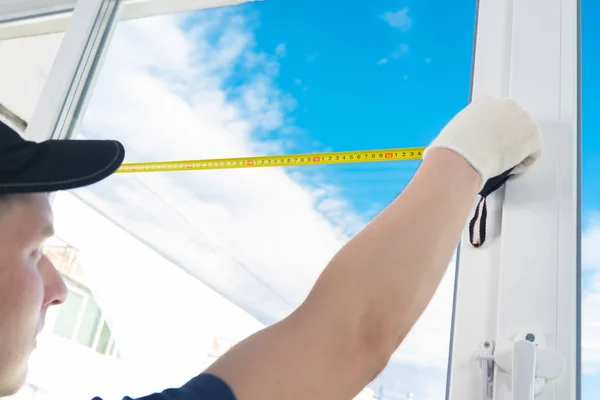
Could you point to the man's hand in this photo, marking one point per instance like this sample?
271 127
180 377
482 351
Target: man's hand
493 135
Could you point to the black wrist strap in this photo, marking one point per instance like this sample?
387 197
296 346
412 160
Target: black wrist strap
480 216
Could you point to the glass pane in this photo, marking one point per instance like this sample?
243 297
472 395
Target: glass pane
68 315
104 340
112 349
89 324
239 249
590 202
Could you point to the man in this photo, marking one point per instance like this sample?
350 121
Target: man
361 307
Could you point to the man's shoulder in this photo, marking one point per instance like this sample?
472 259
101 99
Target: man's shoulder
203 387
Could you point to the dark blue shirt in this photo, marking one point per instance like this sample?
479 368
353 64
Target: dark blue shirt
203 387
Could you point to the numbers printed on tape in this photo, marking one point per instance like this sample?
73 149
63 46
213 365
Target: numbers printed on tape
290 160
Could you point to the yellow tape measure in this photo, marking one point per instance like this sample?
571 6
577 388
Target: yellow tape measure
290 160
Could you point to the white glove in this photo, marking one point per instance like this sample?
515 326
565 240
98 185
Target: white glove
493 135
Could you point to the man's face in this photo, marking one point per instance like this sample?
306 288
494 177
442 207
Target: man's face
29 284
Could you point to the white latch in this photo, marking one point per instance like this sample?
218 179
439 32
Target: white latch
526 360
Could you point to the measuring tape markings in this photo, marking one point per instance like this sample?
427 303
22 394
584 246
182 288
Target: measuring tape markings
361 156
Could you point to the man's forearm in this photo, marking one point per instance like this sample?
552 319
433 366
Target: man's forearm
387 274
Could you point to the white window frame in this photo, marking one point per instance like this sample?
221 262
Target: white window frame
525 49
81 312
72 76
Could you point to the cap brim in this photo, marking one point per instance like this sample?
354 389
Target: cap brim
65 164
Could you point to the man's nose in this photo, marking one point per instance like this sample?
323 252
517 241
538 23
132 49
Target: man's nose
55 289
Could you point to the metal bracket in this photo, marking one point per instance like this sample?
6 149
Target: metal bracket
485 356
530 364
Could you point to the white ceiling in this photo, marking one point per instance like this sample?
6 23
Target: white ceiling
21 18
10 9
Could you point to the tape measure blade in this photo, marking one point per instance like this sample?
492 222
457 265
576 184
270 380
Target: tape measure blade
359 156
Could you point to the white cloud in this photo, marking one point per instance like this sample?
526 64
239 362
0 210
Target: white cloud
262 104
400 51
427 344
280 50
590 259
255 235
398 19
590 245
590 340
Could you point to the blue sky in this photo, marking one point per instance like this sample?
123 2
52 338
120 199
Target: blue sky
590 64
347 101
307 76
590 104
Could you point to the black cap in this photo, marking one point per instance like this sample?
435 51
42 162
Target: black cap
54 165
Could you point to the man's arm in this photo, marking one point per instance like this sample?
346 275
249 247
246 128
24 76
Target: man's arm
372 292
366 300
